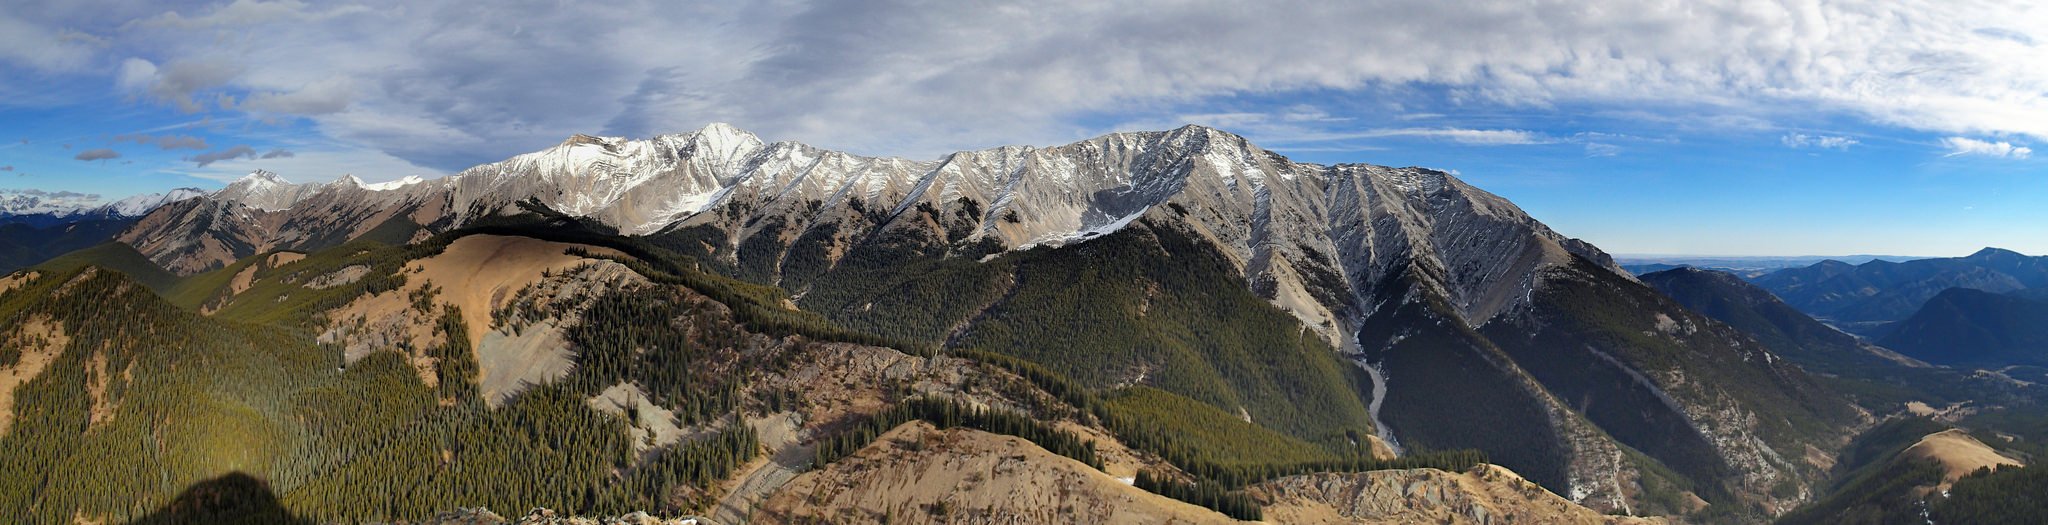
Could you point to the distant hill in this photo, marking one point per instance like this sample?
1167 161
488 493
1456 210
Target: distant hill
1862 298
26 243
117 257
1961 326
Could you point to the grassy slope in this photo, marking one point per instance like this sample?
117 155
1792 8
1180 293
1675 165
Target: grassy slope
1872 484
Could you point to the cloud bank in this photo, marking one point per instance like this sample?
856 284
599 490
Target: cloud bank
448 84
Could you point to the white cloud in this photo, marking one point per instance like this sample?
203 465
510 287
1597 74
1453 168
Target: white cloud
28 44
2000 149
1294 126
247 12
178 83
320 98
1483 137
920 79
1597 149
1802 140
135 75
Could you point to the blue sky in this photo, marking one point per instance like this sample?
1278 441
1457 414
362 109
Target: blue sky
1728 128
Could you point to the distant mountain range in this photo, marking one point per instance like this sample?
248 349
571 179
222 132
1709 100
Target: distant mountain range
1747 267
34 227
1867 298
45 209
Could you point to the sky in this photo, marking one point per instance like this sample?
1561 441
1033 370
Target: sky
1793 127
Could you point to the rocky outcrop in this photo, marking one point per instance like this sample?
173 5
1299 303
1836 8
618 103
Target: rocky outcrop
1485 495
542 516
920 474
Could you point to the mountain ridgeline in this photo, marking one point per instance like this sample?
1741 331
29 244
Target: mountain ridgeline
1149 258
33 231
1168 296
1762 315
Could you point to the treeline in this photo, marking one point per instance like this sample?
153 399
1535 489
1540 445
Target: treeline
1198 433
687 468
2007 495
1233 503
1241 475
680 353
945 413
455 363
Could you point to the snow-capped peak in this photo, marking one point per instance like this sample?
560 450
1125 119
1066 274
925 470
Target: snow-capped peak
392 185
262 178
264 190
145 203
723 141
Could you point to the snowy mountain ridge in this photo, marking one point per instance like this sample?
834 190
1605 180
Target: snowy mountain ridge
66 205
1278 218
1420 279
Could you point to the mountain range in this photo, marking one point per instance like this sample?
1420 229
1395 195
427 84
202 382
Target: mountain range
1337 313
34 229
1865 298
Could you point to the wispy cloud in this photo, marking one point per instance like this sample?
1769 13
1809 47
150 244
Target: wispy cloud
1802 140
1484 137
165 142
98 154
2000 149
236 152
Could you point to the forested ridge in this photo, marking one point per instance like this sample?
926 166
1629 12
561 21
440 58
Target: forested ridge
204 397
183 399
1148 302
